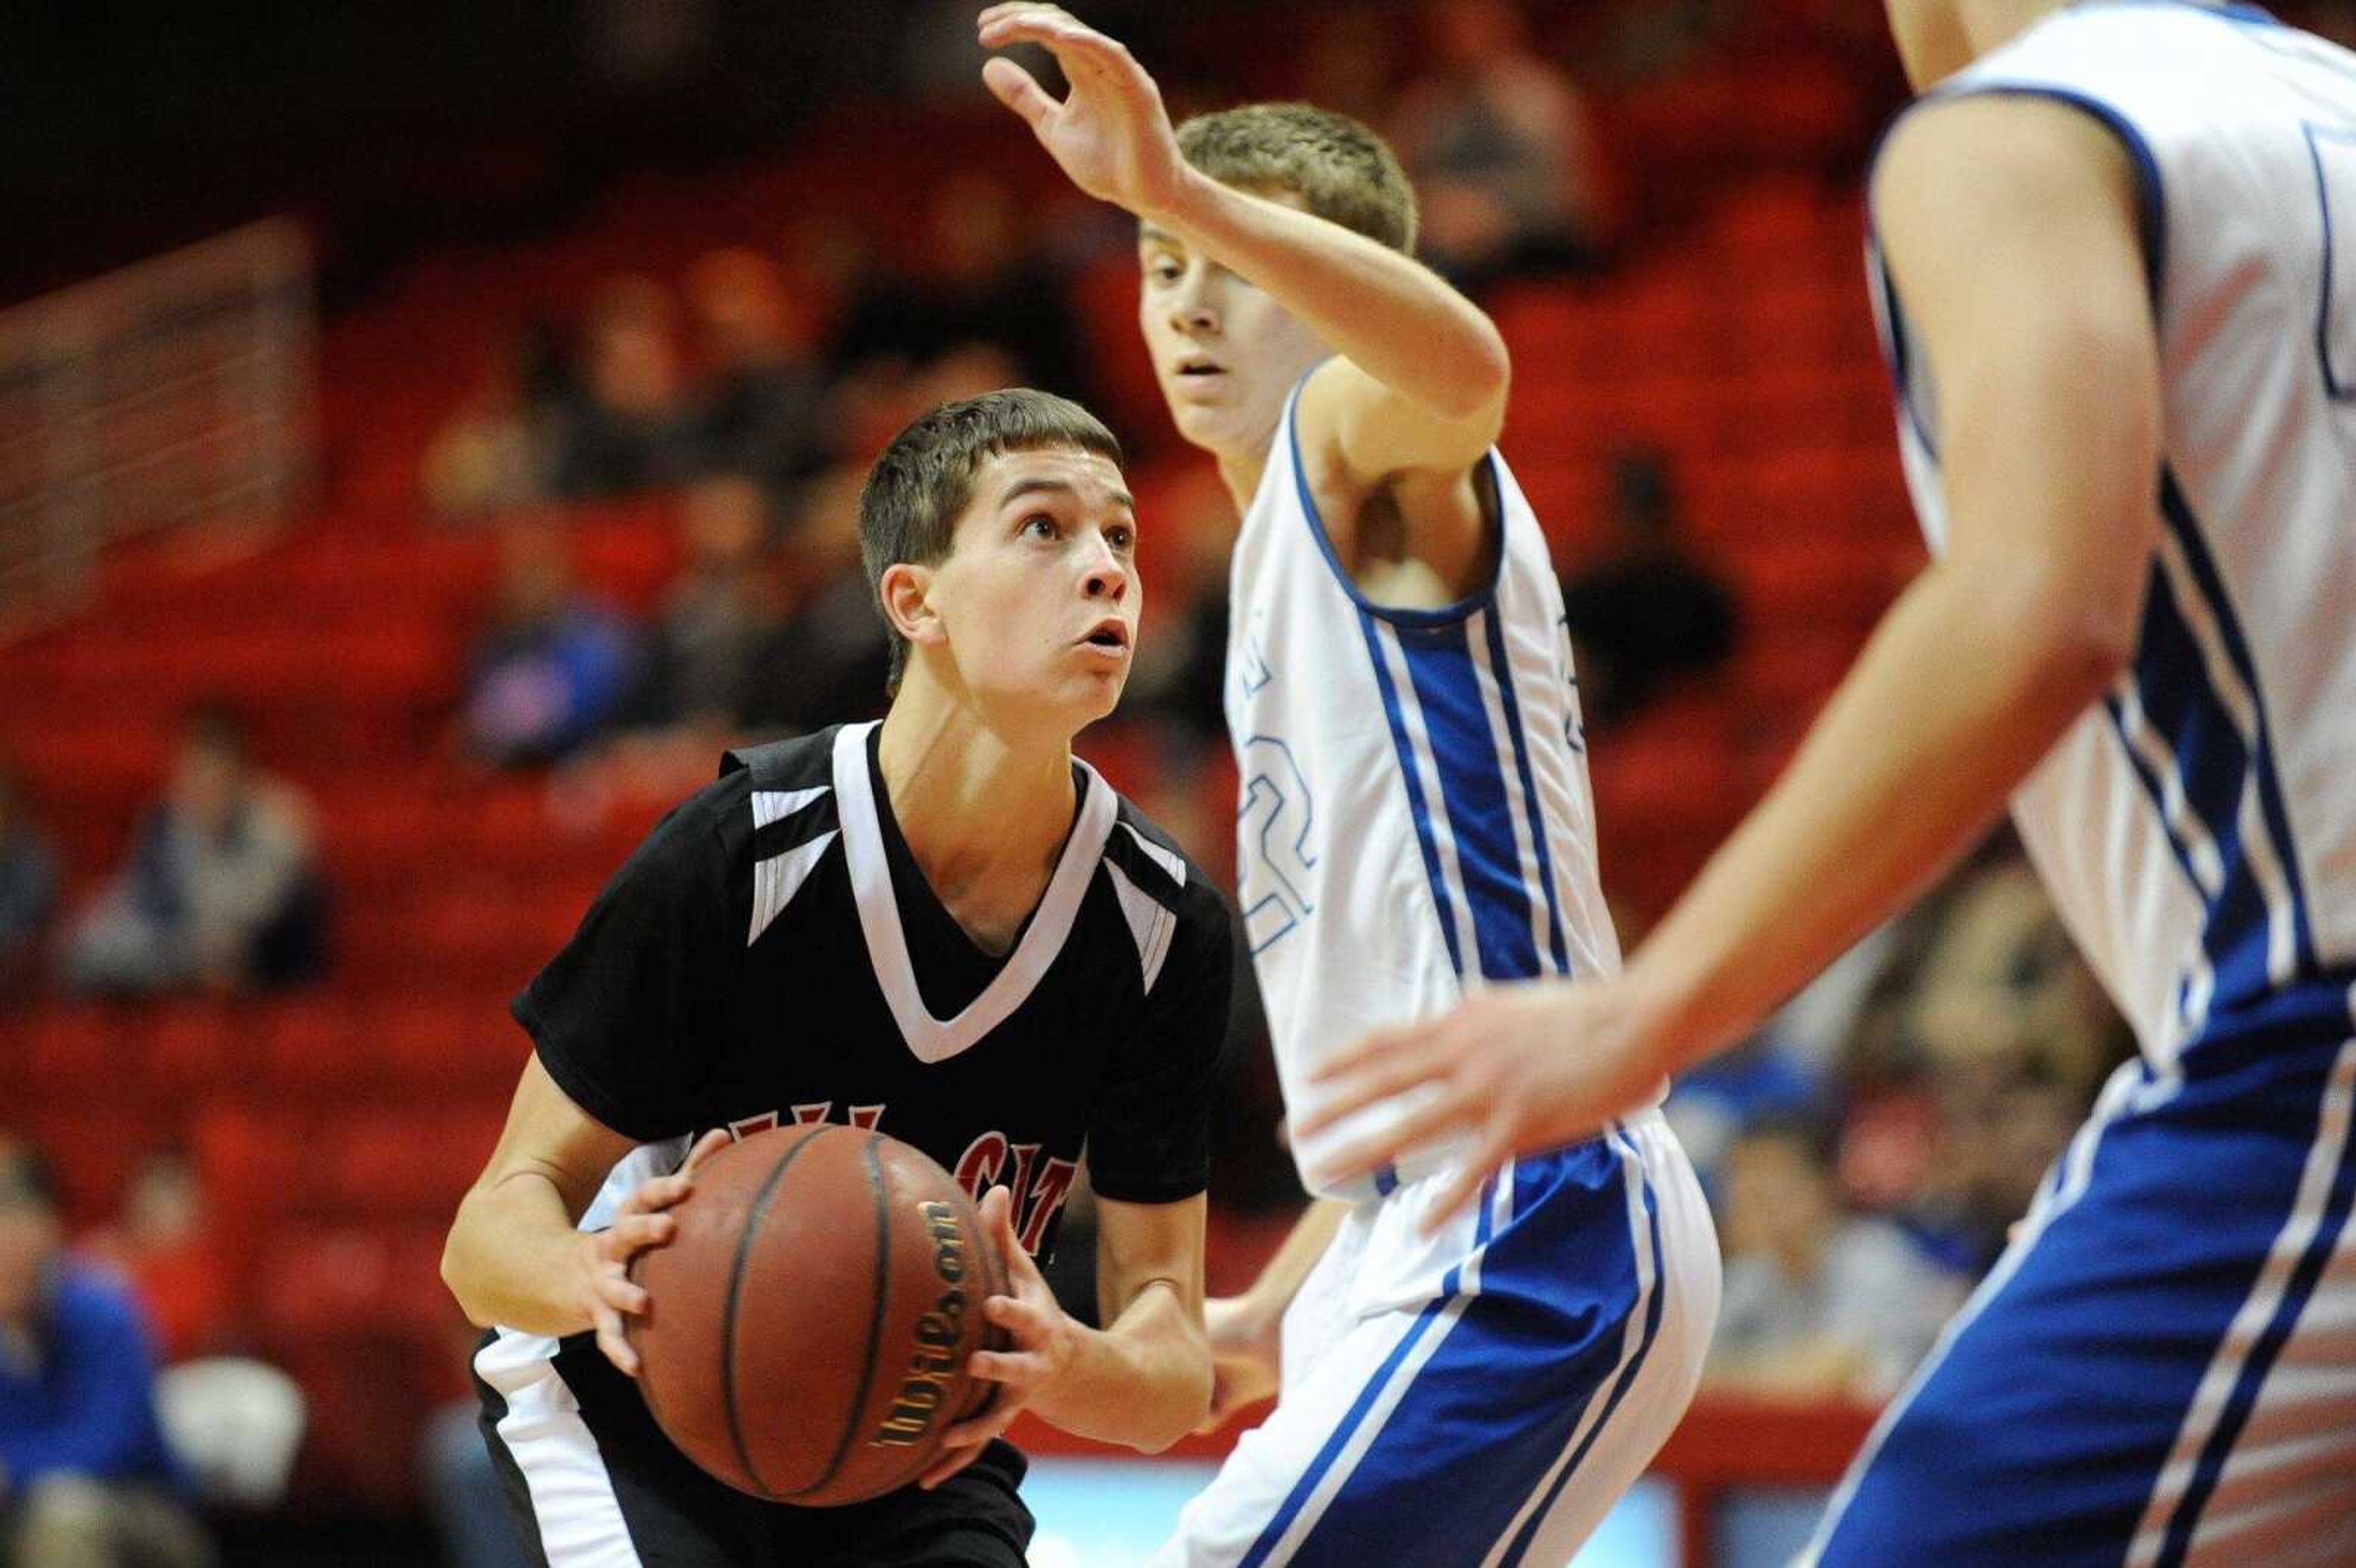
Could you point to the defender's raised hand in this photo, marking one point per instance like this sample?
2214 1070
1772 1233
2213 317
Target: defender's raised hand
1111 134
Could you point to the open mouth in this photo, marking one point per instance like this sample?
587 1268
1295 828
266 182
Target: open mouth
1111 636
1196 370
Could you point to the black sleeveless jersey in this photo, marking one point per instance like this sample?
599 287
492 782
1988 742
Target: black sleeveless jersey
771 954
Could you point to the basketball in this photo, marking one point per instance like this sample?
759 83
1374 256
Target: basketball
812 1319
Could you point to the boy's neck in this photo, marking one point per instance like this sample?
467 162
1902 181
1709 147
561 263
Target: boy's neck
984 812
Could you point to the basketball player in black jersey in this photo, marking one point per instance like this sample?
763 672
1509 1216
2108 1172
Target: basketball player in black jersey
941 926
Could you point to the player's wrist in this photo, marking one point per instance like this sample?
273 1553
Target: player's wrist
1185 205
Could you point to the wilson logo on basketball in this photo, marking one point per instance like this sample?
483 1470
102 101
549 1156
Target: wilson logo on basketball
939 1334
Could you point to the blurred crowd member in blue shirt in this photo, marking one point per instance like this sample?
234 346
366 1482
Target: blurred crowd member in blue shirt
85 1478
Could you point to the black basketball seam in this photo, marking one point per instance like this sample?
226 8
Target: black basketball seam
851 1427
745 1239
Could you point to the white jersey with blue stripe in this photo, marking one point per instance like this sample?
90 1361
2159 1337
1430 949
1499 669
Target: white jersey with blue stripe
1414 817
2197 827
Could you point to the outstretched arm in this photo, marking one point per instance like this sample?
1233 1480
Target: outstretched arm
2010 227
1422 376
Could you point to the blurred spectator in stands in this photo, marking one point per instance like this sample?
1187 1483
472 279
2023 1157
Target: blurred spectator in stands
760 406
624 424
163 1245
2008 1035
726 600
497 449
825 663
221 890
1647 611
1497 144
552 667
991 280
29 881
1818 1304
85 1478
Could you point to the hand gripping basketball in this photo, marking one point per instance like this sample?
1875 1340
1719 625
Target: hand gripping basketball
1045 1341
639 1224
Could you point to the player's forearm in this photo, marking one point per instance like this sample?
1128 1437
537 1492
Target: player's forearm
1145 1382
514 1258
1968 682
1387 313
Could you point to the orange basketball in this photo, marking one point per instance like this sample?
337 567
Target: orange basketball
811 1322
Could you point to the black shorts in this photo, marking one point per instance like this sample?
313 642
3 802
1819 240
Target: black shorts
590 1478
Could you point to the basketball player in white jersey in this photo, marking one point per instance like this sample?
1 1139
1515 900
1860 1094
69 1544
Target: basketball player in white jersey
1415 824
2124 340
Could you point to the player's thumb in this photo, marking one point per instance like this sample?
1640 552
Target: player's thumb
1019 91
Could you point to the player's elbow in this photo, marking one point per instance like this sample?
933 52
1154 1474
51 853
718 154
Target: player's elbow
456 1277
2080 636
1482 375
1187 1408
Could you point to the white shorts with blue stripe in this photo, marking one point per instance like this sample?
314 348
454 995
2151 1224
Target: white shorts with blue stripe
2162 1372
1483 1397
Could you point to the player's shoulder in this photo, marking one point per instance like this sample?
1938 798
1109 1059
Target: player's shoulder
1147 855
766 799
2140 65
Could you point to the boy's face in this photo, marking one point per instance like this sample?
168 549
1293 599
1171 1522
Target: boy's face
1225 353
1038 598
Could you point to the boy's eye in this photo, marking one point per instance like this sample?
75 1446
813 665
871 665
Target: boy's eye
1122 538
1041 524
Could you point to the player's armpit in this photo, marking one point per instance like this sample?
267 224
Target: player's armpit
1378 432
1359 436
2011 227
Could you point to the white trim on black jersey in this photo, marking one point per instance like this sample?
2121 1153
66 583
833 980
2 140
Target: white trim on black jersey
933 1040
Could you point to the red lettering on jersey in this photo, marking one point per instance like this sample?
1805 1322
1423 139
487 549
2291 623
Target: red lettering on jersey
811 1114
1054 1185
1026 1155
864 1117
744 1129
979 1166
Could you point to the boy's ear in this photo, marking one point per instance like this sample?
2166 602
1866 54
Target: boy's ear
905 589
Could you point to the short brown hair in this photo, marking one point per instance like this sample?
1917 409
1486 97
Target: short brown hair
920 487
1337 165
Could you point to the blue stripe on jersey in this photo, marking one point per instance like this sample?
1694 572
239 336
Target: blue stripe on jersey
2244 1397
2213 768
1472 785
1485 1420
2154 786
1299 1497
2176 511
1503 670
1417 805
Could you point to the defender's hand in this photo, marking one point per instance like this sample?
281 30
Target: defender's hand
639 1225
1244 1360
1520 1067
1045 1340
1111 135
